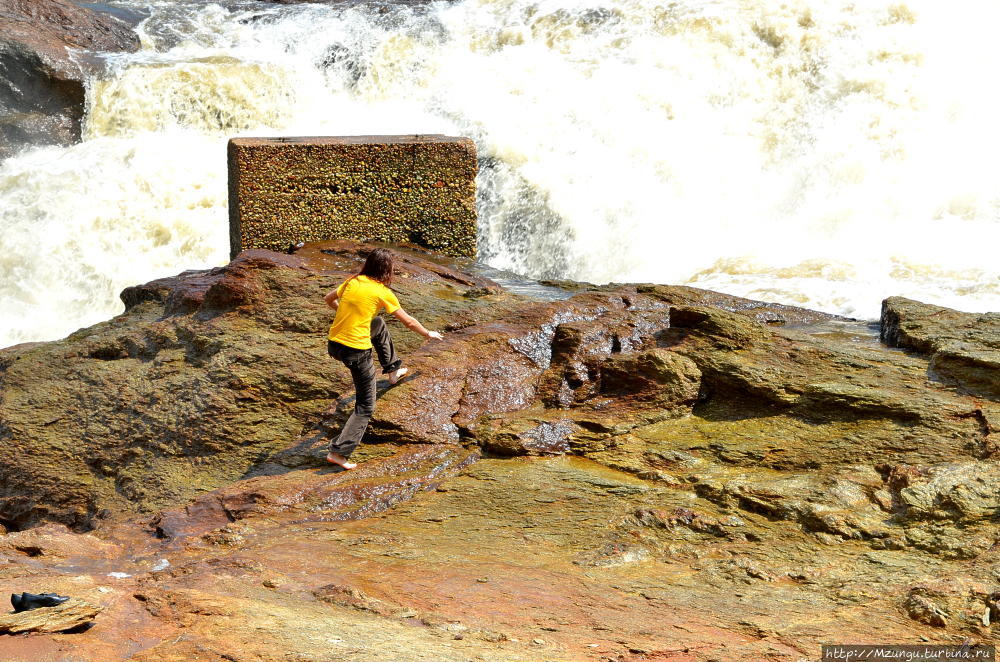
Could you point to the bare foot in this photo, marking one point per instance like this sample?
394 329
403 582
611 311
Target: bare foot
340 460
396 375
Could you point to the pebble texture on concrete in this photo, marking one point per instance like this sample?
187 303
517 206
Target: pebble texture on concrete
418 189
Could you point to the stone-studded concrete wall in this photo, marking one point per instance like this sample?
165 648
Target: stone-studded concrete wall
418 189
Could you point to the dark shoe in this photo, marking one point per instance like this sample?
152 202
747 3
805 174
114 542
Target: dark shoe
28 601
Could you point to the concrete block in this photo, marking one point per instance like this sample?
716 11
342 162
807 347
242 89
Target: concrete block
419 189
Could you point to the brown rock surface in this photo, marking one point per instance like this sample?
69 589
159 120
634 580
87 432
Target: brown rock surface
628 473
44 63
964 347
70 615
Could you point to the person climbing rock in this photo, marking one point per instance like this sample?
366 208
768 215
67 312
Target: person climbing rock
355 331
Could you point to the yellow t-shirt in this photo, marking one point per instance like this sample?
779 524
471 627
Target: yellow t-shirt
360 299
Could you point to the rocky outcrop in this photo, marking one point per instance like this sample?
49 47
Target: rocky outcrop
337 2
630 472
377 486
70 615
964 348
242 346
45 48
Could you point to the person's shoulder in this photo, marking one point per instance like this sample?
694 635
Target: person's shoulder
387 295
376 284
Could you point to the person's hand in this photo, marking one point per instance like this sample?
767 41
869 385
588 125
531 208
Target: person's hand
434 335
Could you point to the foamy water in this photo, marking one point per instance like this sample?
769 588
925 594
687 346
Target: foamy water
822 154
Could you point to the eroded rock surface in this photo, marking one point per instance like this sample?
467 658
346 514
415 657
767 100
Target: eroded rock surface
634 472
45 58
70 615
964 348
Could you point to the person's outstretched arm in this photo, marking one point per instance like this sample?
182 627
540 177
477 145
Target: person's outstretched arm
412 324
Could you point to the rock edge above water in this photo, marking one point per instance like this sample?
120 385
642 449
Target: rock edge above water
46 56
761 477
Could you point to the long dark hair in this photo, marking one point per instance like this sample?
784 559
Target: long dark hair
378 266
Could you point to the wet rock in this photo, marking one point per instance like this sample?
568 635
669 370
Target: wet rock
503 366
770 314
45 59
666 379
964 347
724 329
322 495
538 529
54 542
204 377
582 346
925 327
524 436
242 345
655 459
814 378
69 615
962 492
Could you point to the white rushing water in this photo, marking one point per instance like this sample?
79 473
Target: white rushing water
825 154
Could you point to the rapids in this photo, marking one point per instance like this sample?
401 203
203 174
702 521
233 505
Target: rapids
819 153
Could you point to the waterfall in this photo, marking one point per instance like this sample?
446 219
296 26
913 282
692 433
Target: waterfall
824 154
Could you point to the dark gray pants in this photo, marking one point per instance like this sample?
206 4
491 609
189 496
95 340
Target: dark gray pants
359 362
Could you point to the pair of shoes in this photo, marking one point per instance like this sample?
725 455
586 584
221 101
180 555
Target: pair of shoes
396 375
340 460
28 601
